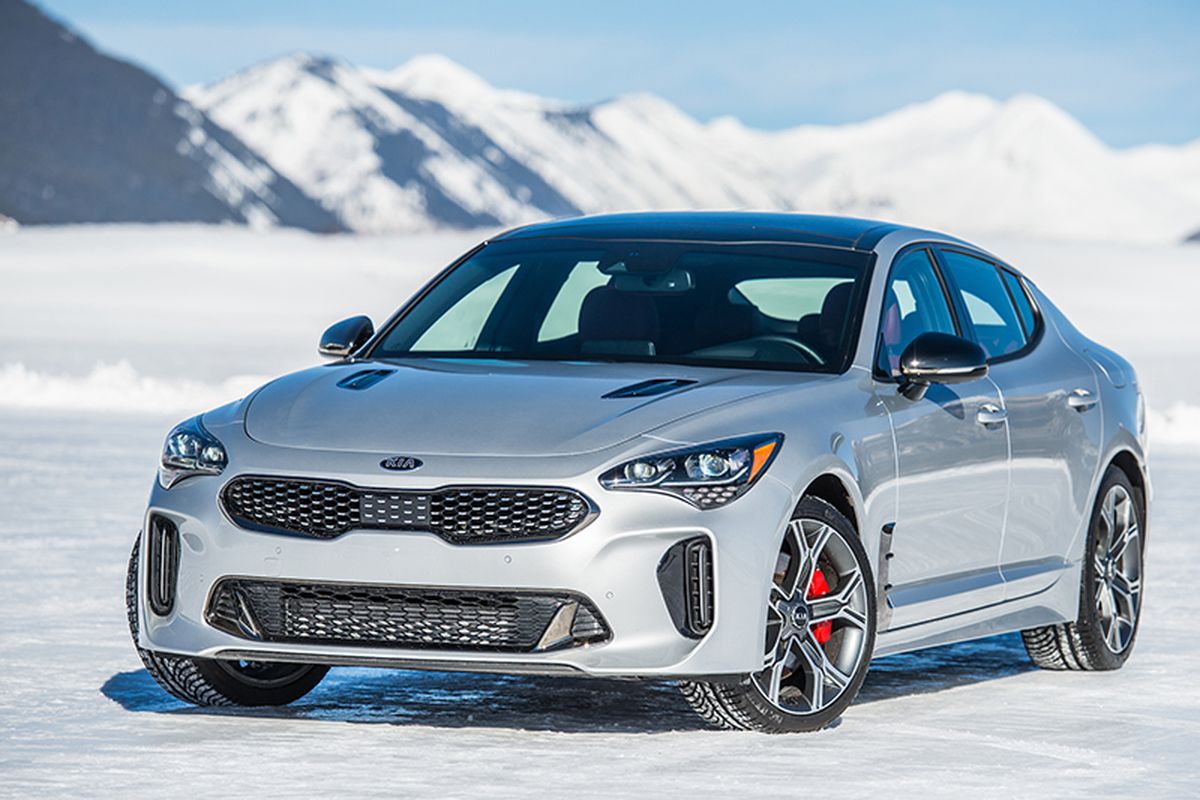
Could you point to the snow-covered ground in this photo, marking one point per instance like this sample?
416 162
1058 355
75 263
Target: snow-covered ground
109 335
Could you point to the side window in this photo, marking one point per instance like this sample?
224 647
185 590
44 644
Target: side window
562 320
459 328
989 305
1021 298
914 303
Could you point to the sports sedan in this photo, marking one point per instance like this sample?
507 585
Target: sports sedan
745 452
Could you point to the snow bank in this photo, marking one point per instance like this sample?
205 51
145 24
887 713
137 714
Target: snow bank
116 388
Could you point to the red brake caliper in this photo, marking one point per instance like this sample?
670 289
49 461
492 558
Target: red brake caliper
819 588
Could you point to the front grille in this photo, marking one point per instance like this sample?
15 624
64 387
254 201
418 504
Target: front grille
462 515
162 564
402 616
685 577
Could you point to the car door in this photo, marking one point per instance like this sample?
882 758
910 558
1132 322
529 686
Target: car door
1054 423
952 462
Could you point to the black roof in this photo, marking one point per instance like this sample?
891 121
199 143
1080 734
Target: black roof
715 226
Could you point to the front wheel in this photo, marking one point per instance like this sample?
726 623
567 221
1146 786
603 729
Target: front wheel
819 637
208 682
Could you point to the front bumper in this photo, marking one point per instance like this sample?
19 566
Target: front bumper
612 562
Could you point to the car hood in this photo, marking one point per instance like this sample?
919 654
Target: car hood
476 407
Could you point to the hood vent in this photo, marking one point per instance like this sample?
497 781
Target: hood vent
650 388
364 379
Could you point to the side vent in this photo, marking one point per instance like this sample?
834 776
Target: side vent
685 577
649 388
364 379
162 564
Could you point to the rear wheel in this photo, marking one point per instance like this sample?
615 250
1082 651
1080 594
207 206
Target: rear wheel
1110 589
209 682
820 633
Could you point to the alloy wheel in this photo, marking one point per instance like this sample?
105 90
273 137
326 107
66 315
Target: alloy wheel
1117 569
817 624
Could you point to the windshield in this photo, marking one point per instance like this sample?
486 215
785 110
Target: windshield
726 305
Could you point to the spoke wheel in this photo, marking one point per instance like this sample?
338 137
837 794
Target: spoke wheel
1117 569
1110 590
819 632
816 620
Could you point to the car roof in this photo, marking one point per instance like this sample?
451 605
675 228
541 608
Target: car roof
716 226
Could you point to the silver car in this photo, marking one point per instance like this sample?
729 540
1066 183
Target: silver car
745 452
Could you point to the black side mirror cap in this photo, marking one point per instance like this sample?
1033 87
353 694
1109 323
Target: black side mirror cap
343 338
939 358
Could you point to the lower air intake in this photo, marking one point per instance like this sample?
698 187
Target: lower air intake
162 564
403 617
685 576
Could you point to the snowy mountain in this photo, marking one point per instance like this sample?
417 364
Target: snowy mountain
88 138
432 145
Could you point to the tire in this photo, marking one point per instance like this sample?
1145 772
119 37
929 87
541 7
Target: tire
797 643
208 682
1110 588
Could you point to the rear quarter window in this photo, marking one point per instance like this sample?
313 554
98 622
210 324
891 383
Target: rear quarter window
1021 300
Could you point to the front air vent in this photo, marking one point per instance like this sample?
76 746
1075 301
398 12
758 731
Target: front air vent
685 577
162 564
650 388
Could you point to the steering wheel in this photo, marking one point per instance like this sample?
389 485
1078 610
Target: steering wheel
810 355
787 349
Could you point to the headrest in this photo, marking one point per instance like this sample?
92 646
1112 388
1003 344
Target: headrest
611 315
834 313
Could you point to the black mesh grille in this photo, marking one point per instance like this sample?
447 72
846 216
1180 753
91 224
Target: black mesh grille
462 515
398 616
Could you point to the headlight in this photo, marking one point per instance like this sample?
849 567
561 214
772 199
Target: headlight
190 450
706 476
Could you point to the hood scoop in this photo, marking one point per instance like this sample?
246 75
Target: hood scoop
364 379
650 388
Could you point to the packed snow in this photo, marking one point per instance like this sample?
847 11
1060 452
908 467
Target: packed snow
108 335
431 144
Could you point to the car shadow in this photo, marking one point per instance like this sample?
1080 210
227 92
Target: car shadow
572 705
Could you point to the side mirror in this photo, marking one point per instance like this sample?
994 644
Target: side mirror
939 358
344 337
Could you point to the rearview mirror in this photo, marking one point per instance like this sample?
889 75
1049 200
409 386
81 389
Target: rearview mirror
939 358
343 338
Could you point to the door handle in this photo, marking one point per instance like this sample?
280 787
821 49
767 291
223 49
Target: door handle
1081 400
990 414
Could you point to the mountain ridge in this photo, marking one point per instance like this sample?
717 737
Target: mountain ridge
85 137
431 144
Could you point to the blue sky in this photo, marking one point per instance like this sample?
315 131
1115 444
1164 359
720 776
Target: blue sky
1129 70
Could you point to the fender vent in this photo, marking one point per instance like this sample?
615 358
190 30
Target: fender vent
649 388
